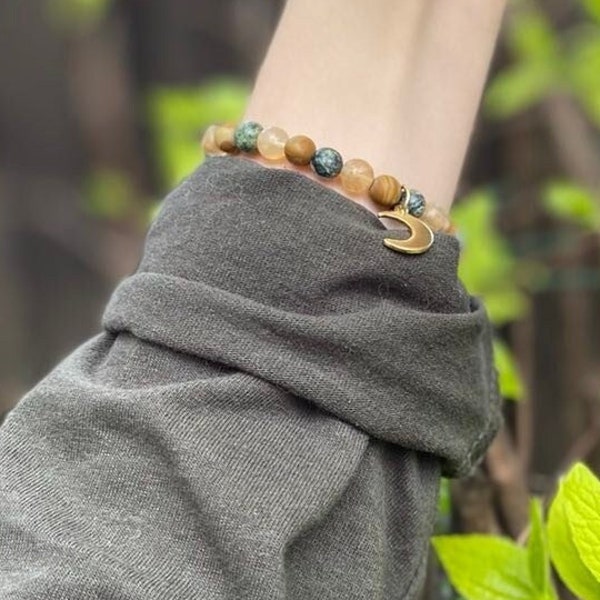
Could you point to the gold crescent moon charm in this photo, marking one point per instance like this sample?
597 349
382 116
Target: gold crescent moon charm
421 236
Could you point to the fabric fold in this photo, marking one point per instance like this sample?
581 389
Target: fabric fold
272 273
265 415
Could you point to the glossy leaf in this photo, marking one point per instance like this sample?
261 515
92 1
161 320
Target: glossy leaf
573 511
582 491
484 567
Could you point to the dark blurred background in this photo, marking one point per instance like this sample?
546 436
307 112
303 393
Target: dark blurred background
103 104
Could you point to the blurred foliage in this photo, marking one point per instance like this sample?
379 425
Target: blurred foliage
487 265
108 194
178 118
77 14
489 269
509 378
548 62
573 202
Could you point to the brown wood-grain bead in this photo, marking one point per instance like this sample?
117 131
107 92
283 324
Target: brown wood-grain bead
299 149
385 190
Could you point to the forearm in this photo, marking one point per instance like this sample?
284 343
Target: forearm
395 83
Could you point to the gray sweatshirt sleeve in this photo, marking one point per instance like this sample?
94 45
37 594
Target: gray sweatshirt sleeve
265 414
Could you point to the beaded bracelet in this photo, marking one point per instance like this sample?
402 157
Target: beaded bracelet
356 176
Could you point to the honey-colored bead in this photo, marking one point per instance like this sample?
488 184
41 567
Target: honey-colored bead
223 136
356 176
436 219
271 143
208 142
299 149
385 190
452 229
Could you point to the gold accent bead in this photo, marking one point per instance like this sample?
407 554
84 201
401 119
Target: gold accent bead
435 218
208 142
356 176
385 190
299 149
271 142
224 138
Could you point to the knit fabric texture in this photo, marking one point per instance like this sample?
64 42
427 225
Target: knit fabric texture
265 414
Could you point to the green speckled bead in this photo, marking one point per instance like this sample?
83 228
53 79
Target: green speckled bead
327 162
415 203
246 135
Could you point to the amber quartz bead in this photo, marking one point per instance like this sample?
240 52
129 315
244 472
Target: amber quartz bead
436 219
385 190
299 150
356 176
271 143
224 138
209 144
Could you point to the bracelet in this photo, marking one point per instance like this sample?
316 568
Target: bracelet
408 206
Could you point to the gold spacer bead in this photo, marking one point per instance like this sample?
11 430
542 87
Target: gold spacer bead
299 149
385 190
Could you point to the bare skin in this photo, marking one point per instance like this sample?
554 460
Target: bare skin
397 83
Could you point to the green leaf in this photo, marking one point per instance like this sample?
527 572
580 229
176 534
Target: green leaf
583 499
568 200
484 567
510 382
574 510
539 551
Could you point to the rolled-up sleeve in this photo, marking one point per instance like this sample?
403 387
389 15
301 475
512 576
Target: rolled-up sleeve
265 414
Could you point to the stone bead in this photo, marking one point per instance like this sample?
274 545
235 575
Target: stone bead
356 176
246 135
385 190
209 144
415 203
224 138
435 218
327 162
271 142
299 149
